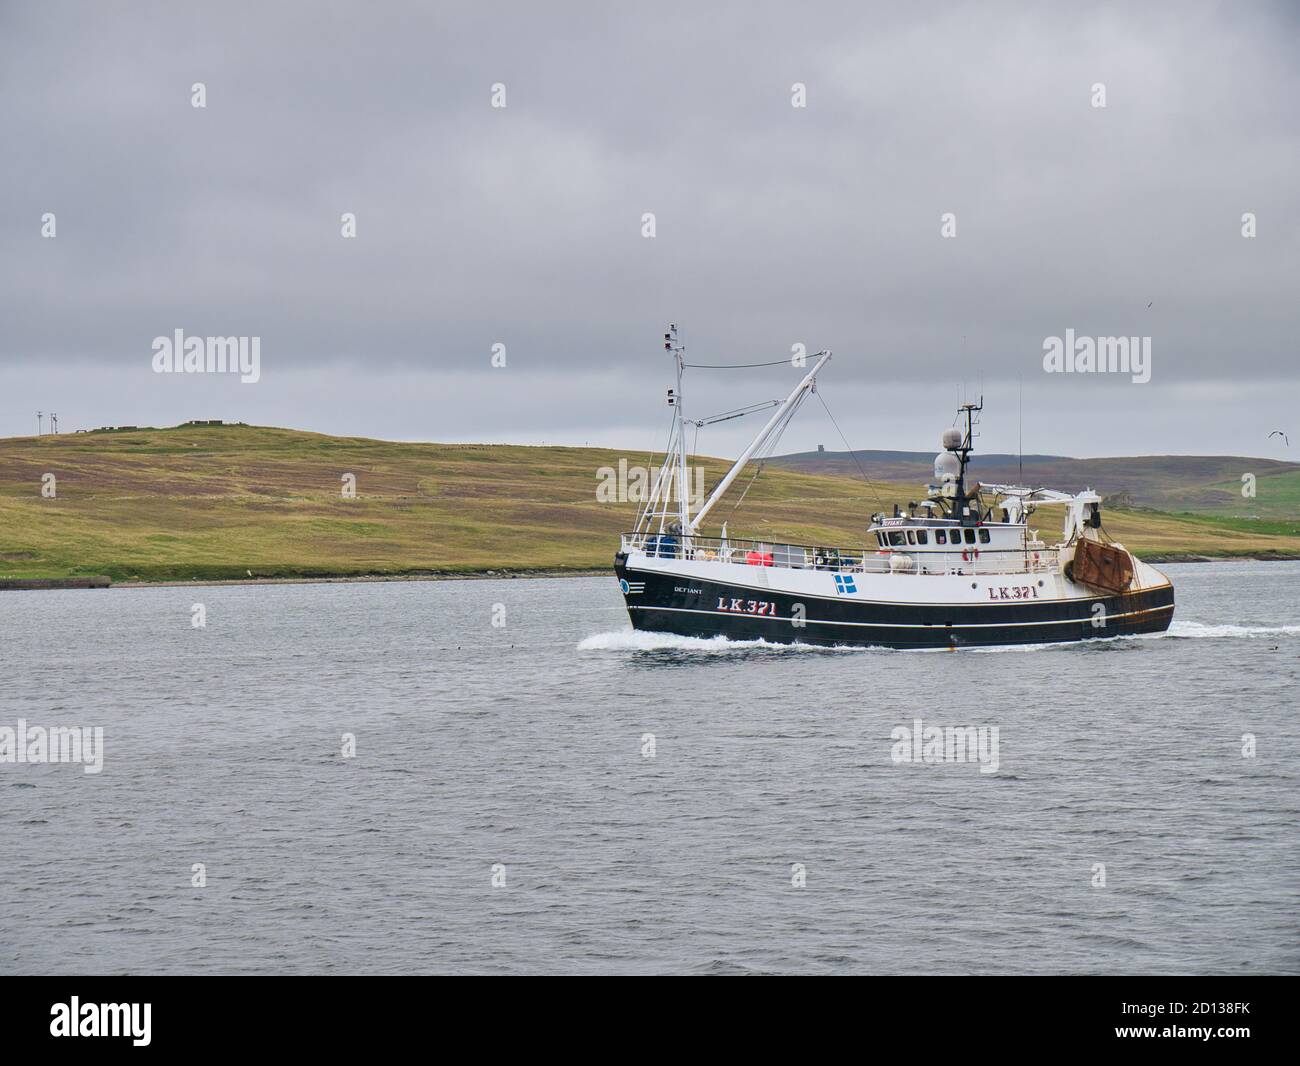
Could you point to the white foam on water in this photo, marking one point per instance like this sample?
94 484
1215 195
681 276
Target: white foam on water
1203 629
998 648
644 640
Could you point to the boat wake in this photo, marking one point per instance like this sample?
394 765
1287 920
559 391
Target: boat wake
1202 629
623 640
643 640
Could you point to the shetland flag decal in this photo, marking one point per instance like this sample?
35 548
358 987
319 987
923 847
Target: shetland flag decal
844 585
632 588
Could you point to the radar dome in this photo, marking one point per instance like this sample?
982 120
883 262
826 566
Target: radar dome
945 463
952 438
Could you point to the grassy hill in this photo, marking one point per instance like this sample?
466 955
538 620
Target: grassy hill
1198 484
213 502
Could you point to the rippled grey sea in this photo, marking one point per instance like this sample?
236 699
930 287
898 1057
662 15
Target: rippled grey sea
521 747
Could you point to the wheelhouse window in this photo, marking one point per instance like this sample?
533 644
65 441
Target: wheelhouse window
970 536
922 537
896 538
984 536
941 536
911 537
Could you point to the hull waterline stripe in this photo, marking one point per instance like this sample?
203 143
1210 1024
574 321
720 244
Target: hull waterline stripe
908 625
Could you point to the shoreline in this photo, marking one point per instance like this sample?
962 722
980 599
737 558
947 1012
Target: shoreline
51 584
359 579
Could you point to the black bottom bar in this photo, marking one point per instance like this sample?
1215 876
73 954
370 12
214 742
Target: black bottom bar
1170 1015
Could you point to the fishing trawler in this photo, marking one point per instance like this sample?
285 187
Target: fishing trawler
960 568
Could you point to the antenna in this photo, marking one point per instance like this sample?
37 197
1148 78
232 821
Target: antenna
1021 445
54 423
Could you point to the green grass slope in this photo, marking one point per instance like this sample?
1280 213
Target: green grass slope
223 502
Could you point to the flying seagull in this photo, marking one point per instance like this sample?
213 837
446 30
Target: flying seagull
1279 433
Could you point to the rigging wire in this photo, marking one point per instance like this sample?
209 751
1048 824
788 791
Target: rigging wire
758 469
871 487
767 449
738 412
727 416
734 366
643 510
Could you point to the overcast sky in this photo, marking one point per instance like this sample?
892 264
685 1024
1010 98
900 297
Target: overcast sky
775 225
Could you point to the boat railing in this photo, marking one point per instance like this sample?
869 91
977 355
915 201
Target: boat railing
746 552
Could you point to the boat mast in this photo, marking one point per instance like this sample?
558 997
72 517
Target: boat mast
679 420
658 507
755 444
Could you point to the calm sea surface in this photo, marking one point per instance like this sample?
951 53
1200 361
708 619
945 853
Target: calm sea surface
517 753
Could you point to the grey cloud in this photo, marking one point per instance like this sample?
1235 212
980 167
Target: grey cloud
775 225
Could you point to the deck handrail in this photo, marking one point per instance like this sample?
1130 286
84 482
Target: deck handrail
950 559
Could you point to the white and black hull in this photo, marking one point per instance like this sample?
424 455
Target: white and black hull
712 598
